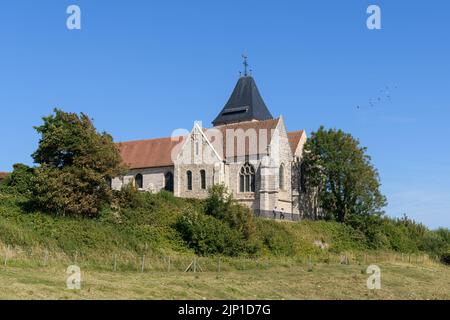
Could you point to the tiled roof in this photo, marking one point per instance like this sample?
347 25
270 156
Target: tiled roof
3 175
148 153
294 139
158 152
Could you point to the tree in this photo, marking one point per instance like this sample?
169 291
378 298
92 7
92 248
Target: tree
337 171
75 164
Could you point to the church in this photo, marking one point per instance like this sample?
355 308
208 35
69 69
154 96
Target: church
246 149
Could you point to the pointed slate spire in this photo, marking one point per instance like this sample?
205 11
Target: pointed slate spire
245 104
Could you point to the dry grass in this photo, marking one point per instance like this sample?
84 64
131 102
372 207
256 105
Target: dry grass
292 281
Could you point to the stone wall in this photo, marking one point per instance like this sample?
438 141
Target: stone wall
280 155
197 154
153 178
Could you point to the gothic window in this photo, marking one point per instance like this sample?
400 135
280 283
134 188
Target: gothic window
281 178
203 179
139 181
168 181
189 180
247 178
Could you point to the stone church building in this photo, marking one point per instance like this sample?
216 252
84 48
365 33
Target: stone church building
246 149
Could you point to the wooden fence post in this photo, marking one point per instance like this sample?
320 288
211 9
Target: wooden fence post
143 263
45 257
6 255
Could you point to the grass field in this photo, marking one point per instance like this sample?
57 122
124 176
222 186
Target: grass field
279 281
139 254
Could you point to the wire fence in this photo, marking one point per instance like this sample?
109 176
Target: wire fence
127 261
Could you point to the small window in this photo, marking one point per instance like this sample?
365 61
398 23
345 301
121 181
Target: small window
203 179
189 180
139 181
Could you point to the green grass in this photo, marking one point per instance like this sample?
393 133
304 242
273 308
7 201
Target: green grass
36 248
279 281
149 229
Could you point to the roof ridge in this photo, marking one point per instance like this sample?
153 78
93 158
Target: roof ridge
296 131
245 122
151 139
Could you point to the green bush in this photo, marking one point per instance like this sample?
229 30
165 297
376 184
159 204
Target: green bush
401 235
208 235
222 206
445 257
127 197
19 181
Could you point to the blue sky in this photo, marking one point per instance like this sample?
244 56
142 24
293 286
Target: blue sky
144 68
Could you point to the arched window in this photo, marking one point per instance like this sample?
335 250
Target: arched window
168 181
281 178
203 179
189 180
139 181
247 178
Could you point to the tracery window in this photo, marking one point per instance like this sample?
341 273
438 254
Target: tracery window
247 178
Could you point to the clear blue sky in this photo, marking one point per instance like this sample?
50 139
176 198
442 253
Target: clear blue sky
144 68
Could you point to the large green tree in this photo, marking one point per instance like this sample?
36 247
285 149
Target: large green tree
337 176
76 163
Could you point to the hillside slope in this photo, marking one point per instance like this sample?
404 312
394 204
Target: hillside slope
149 228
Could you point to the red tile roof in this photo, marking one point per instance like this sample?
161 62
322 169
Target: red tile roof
3 175
158 152
148 153
294 139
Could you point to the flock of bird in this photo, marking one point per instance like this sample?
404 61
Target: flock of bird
384 95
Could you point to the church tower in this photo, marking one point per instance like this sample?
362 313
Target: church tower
245 103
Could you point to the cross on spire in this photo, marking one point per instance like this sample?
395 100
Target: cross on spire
244 56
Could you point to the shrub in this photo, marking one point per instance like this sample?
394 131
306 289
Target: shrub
218 202
208 235
241 219
127 197
222 206
20 180
445 257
